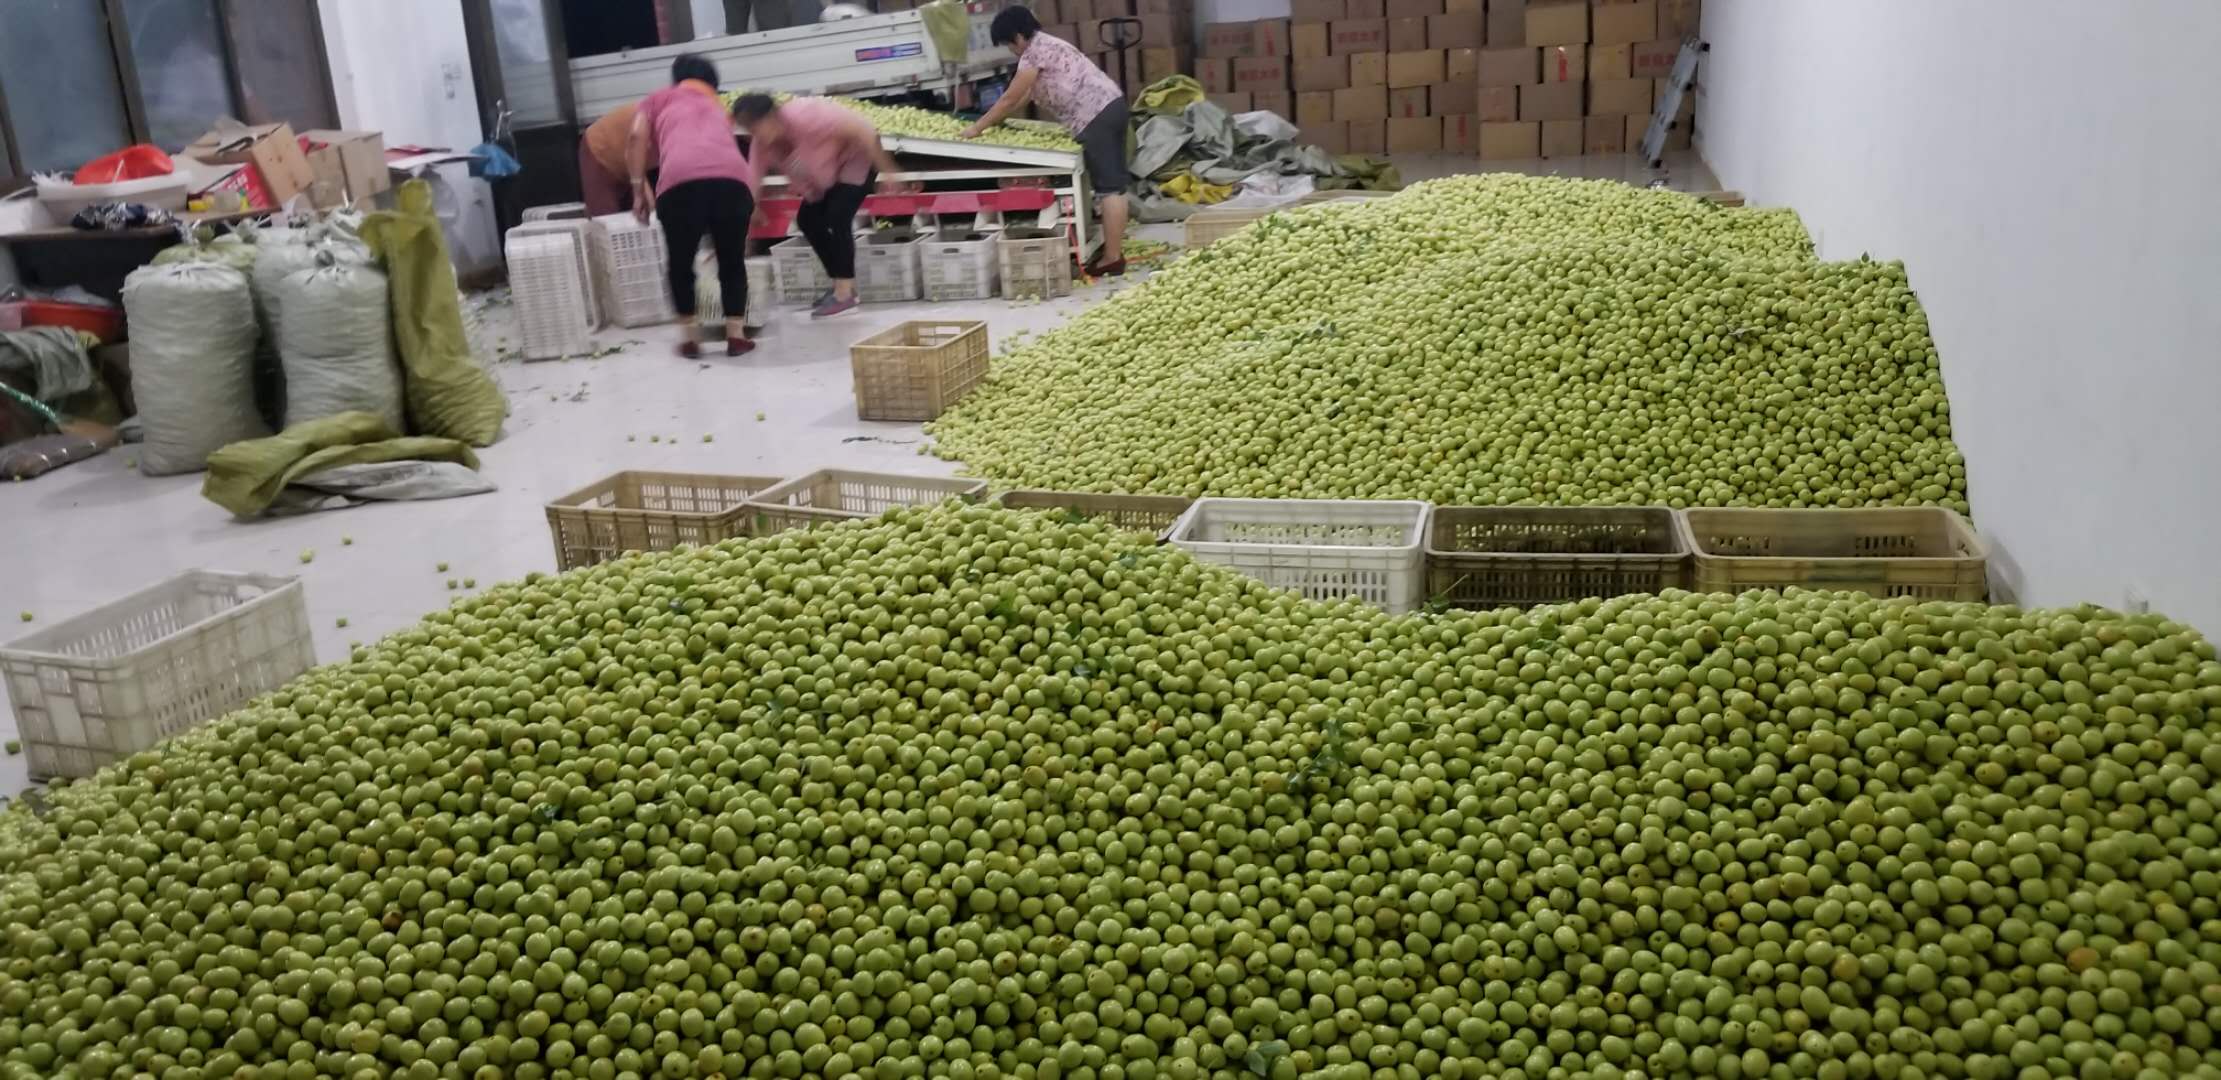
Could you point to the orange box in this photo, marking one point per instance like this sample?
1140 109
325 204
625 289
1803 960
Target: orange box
1368 68
1308 40
1609 61
1361 103
1619 97
1320 73
1564 63
1407 102
1558 22
1623 22
1357 36
1414 68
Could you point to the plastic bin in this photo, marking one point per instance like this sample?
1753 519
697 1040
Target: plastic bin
835 495
628 261
915 370
709 295
126 675
63 199
1923 552
649 511
562 211
580 233
958 266
800 277
1034 263
1324 549
105 323
1482 557
887 266
553 319
1153 514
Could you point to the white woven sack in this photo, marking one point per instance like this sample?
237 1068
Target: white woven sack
337 342
192 362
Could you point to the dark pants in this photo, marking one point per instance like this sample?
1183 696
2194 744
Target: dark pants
720 210
829 224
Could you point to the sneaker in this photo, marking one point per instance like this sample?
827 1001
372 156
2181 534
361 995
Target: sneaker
735 346
691 350
1109 269
832 306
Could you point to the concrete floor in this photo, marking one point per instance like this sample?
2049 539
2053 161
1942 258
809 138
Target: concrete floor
97 530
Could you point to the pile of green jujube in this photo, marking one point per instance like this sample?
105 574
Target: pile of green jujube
926 124
969 792
1487 340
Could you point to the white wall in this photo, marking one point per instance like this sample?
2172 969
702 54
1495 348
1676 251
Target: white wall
2050 173
402 67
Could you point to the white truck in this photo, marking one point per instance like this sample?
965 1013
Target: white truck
866 56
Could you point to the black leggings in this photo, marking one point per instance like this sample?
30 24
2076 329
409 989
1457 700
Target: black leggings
829 224
719 209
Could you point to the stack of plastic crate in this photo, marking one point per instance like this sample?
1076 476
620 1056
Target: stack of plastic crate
628 260
551 297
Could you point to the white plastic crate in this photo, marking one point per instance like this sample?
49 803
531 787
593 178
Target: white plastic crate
580 233
128 674
552 319
958 266
1034 263
1325 549
635 287
887 266
800 277
562 211
709 298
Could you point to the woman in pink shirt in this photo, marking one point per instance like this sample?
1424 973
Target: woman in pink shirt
1086 101
684 130
828 154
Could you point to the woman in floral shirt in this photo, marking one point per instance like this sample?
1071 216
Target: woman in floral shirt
1085 100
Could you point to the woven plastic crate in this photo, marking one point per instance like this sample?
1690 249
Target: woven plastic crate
1923 552
709 296
628 258
649 511
1153 514
1483 557
1325 549
580 233
563 211
544 282
1034 263
887 266
914 370
835 495
958 266
796 271
126 675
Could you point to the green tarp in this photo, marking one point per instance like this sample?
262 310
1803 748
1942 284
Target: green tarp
246 477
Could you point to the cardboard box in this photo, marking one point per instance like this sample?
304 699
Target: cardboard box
1414 68
1509 67
1453 97
1216 73
1414 135
1461 134
1623 22
1154 32
1407 102
1368 69
1688 107
1407 35
349 166
1229 39
1564 63
1313 108
1332 136
1651 59
1317 11
1413 9
1510 142
1561 138
271 149
1256 73
1100 9
1320 73
1507 24
1609 61
1456 30
1357 36
1619 97
1680 19
1277 102
1270 37
1308 39
1496 104
1368 136
1604 135
1551 101
1461 65
1047 12
1557 22
1233 101
1180 9
1366 9
1476 7
1636 128
1361 103
1162 63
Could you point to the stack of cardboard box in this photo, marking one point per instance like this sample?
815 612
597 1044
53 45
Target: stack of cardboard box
1561 78
1248 65
1165 45
1371 76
